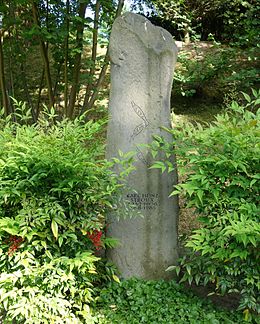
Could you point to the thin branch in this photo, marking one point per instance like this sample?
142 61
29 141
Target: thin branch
44 53
2 79
66 59
77 62
94 54
102 74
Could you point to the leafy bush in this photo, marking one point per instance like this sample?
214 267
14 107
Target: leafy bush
241 22
55 188
234 21
193 74
215 71
137 301
221 165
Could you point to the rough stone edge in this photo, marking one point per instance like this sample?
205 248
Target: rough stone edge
132 22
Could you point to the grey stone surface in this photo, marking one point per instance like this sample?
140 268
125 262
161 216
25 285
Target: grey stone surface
142 62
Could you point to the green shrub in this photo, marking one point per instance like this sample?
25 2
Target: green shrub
221 166
137 301
55 189
193 74
213 72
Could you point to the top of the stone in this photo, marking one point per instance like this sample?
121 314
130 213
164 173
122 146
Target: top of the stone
153 37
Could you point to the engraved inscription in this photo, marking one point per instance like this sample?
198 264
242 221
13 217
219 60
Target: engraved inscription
138 110
141 156
144 201
138 130
140 113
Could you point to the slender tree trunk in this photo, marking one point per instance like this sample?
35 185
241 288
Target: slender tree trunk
77 62
44 54
39 95
66 59
14 13
99 83
186 34
120 6
102 74
94 54
2 79
10 68
11 90
57 78
27 93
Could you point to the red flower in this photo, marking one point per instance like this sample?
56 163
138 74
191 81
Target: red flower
95 238
16 242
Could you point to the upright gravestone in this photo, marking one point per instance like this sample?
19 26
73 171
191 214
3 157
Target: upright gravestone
142 63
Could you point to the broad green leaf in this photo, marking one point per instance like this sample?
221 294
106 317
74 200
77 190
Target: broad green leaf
60 240
54 228
92 271
115 278
158 165
200 195
254 93
246 96
48 253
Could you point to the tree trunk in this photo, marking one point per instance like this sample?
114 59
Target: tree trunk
39 95
27 93
186 35
57 79
94 54
45 58
77 62
89 104
66 59
99 83
2 80
120 7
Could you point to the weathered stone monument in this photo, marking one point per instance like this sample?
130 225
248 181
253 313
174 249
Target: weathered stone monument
142 62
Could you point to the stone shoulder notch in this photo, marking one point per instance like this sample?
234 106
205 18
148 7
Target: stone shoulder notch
153 38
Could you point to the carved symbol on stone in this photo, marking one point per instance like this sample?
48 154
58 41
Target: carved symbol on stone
141 156
139 112
138 130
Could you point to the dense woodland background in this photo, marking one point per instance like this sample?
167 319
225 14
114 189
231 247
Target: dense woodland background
54 53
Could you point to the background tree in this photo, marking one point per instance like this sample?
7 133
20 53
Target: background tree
225 20
51 50
49 53
2 77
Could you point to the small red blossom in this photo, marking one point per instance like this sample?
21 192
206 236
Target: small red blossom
15 244
95 238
